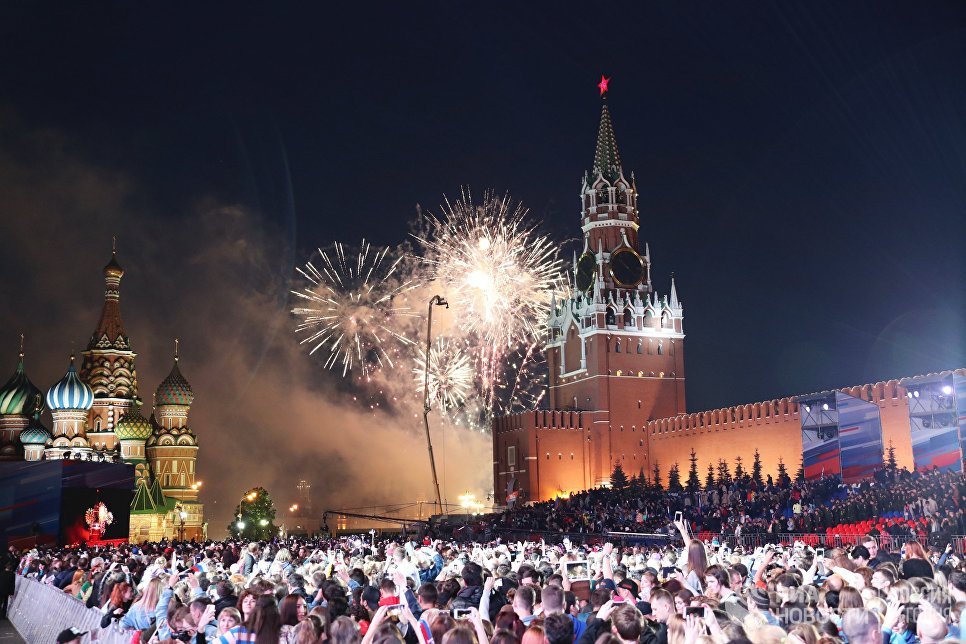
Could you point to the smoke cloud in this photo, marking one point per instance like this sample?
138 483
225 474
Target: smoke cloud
265 413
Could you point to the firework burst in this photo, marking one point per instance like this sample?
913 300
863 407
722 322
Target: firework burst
353 310
498 273
450 374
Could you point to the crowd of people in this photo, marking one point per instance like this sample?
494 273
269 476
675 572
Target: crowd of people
429 590
919 503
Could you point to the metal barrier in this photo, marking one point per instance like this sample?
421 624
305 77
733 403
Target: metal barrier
40 612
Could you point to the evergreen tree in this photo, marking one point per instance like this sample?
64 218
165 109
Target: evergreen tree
891 457
254 517
724 473
657 476
783 479
618 479
709 479
800 474
756 469
739 469
694 482
674 479
641 478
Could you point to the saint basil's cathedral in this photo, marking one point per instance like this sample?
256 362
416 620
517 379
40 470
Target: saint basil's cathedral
96 416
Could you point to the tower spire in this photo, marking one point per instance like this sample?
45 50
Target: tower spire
176 342
109 333
607 161
674 294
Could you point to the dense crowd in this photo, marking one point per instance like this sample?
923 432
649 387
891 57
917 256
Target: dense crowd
426 590
919 503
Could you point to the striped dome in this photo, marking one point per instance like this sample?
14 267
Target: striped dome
132 426
19 396
174 390
70 393
35 434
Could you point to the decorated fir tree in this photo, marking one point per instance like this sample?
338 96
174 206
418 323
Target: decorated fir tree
254 516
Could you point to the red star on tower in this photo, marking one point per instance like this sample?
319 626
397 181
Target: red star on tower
602 85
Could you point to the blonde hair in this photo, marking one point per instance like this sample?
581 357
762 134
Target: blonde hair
283 555
152 592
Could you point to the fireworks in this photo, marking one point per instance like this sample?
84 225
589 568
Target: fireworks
496 270
498 274
450 374
352 310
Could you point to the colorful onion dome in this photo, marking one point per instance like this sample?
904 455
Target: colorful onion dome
19 396
70 393
174 390
132 426
35 434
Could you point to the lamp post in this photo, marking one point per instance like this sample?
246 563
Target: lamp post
182 515
436 300
251 496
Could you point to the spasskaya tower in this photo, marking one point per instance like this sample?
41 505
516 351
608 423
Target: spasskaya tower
615 351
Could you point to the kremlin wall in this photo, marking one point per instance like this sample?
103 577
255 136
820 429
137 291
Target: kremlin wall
615 356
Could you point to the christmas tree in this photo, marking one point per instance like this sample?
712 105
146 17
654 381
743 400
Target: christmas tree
254 516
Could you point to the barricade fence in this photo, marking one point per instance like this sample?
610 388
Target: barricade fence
40 612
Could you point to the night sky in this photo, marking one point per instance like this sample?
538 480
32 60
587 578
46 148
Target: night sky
802 165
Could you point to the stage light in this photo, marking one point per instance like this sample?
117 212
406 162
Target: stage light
915 394
808 409
825 406
947 389
909 394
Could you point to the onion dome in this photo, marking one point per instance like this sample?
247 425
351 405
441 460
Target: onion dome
174 390
132 426
19 396
70 393
36 433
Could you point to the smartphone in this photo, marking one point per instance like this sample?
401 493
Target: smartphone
461 613
820 553
678 516
697 611
394 609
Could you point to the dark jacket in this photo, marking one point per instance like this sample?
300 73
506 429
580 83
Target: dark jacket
471 595
8 582
225 602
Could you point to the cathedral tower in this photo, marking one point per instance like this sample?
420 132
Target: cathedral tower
172 448
19 401
69 401
108 365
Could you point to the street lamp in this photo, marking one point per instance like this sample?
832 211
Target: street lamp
436 300
251 496
182 515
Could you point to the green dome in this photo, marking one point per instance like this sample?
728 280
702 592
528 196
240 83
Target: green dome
19 396
35 434
174 390
132 426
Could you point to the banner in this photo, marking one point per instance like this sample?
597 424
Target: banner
860 437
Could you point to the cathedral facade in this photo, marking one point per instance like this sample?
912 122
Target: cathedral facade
96 416
615 357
